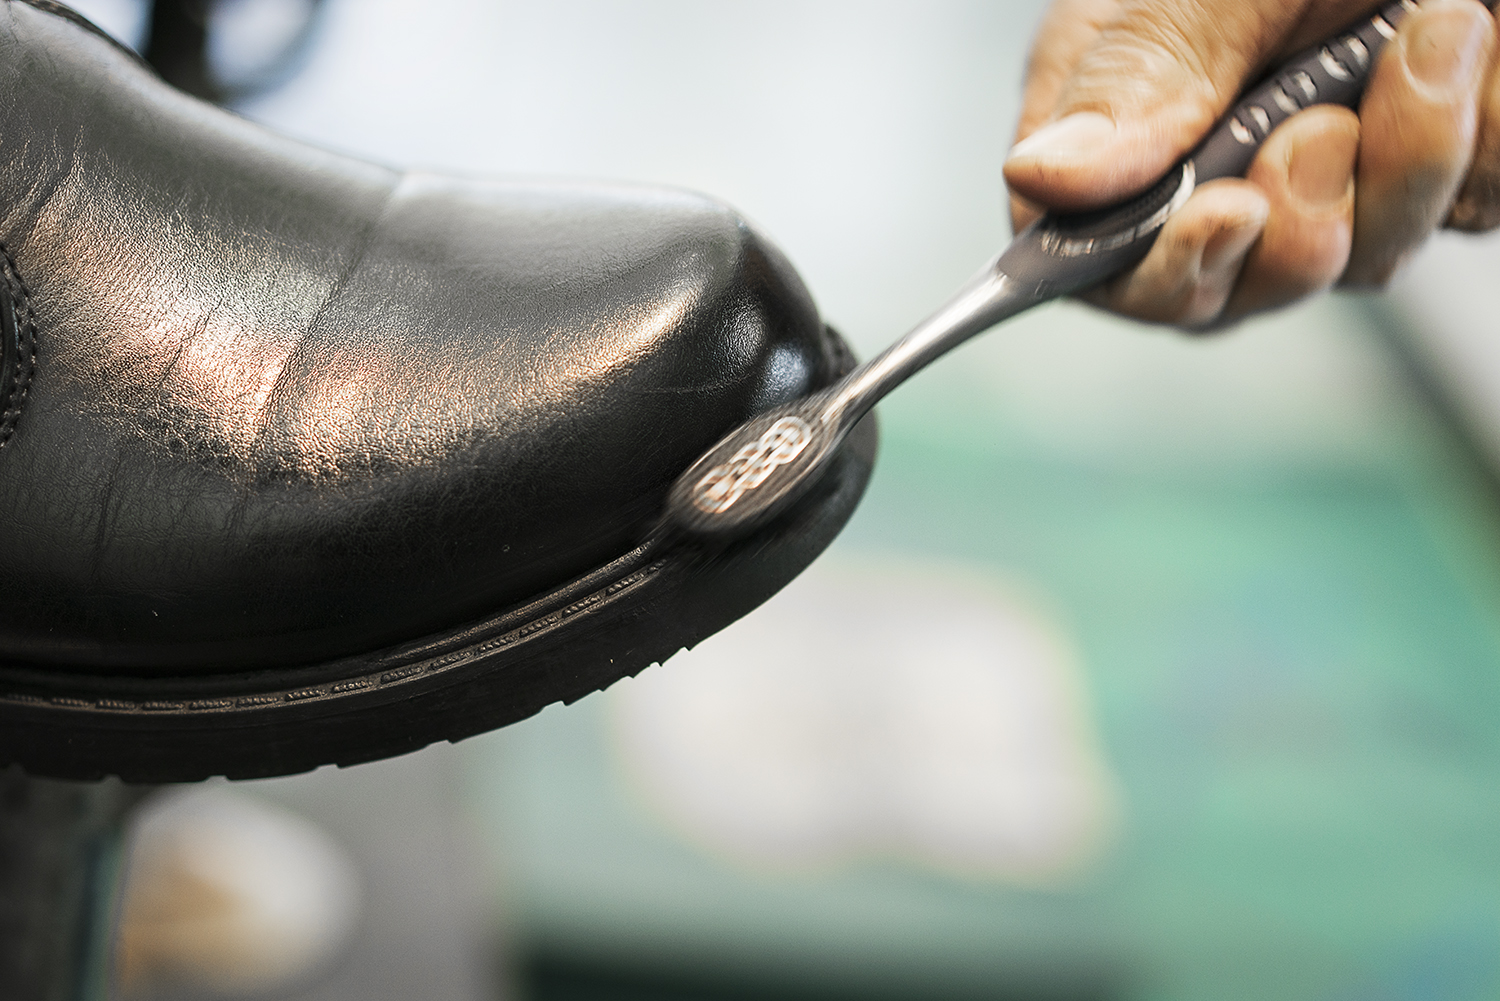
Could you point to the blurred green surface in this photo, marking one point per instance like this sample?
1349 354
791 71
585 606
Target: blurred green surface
1282 572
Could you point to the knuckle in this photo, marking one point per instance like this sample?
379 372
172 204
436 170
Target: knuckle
1209 43
1133 73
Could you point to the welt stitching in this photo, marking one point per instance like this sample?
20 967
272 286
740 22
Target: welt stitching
20 383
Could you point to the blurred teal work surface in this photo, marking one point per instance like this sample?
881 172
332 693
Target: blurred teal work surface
1150 668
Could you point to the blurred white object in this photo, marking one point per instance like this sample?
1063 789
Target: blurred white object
249 39
227 895
883 709
1448 298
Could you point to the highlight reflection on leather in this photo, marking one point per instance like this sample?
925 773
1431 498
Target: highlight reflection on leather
289 406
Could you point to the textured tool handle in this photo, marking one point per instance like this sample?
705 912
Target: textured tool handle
1066 252
1333 73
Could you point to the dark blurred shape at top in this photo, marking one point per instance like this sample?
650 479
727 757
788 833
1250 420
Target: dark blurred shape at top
224 50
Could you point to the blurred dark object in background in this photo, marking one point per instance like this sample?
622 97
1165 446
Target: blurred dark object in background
225 50
60 847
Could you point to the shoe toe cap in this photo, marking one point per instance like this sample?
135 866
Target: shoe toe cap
488 395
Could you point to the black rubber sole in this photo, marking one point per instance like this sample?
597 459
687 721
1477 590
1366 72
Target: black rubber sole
623 617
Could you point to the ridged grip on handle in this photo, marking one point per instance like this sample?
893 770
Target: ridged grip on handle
1064 253
1332 73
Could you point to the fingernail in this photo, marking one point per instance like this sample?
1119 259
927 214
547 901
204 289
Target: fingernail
1445 45
1076 136
1319 181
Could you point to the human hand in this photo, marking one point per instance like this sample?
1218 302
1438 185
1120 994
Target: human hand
1118 90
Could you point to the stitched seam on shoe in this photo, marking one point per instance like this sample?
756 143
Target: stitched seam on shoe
69 14
14 395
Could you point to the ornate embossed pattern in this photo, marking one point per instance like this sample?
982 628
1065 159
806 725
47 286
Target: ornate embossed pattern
728 482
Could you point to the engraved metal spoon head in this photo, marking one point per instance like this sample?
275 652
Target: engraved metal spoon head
755 472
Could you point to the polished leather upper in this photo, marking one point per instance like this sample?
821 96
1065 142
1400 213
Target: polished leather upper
288 406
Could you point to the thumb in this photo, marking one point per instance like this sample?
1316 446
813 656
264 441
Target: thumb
1155 79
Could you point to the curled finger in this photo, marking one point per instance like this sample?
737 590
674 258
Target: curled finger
1195 263
1418 123
1306 170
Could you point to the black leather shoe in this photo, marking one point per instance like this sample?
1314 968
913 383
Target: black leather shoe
308 461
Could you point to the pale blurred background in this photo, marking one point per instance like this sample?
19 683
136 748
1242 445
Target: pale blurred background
1151 667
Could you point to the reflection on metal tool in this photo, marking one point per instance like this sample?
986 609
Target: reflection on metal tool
750 466
757 471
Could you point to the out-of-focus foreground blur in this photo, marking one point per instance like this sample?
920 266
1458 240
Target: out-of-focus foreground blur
1152 667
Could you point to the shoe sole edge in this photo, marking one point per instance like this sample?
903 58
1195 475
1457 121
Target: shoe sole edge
615 621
